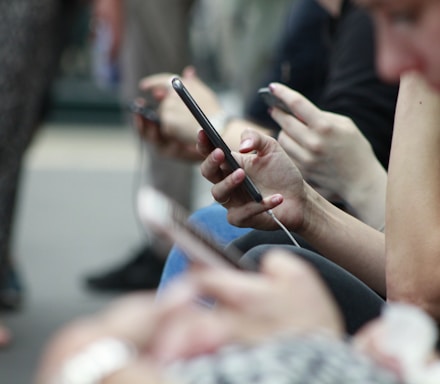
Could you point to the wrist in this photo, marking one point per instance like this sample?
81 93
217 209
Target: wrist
310 208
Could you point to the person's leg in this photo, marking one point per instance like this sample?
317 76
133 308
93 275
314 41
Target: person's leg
211 219
29 51
358 303
155 40
258 237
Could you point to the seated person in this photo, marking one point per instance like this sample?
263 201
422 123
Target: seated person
343 151
328 158
268 304
340 238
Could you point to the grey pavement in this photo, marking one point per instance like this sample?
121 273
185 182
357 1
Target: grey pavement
76 216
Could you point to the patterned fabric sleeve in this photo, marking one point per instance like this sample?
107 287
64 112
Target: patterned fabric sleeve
300 360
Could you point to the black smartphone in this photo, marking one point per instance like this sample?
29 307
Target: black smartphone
273 101
213 135
169 220
147 112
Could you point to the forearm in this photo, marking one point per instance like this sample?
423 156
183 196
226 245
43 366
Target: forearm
342 238
366 198
413 213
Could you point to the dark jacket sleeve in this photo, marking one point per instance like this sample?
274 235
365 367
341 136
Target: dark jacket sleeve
332 63
301 57
353 87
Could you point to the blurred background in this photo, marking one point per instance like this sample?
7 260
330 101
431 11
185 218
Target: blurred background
75 210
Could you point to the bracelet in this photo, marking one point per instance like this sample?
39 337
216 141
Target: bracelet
96 361
220 121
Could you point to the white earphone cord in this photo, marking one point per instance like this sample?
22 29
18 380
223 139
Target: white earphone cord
281 225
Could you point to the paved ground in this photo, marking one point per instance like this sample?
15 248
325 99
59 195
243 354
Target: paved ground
76 216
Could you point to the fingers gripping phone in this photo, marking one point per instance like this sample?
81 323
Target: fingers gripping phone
272 101
167 219
213 135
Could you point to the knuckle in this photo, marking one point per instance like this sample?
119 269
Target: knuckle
324 126
315 145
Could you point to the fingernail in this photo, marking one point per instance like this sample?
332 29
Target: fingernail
277 199
272 87
246 144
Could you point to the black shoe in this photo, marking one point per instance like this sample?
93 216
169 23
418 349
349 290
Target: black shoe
11 289
141 272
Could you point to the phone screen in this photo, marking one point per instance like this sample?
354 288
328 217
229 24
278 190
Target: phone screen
213 135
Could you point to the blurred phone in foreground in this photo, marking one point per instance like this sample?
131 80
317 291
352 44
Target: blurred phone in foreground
169 221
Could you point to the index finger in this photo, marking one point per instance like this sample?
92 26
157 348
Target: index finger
204 145
160 80
300 106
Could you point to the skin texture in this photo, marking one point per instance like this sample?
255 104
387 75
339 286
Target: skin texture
337 235
413 218
329 150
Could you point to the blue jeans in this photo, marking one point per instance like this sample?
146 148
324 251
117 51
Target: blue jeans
211 219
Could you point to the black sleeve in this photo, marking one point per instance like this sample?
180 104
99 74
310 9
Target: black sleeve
353 86
301 58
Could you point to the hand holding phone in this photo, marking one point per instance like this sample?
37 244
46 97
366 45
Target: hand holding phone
147 112
214 137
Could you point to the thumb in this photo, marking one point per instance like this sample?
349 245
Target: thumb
252 140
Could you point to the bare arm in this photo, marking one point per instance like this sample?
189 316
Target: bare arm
340 237
413 198
347 241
